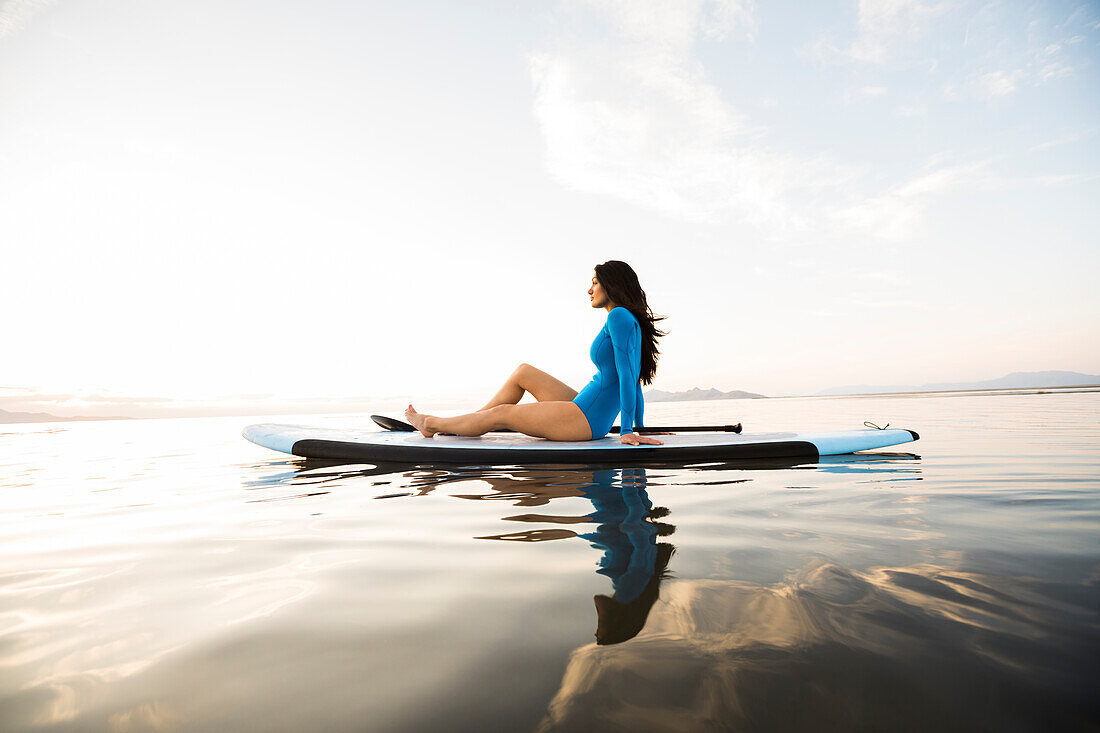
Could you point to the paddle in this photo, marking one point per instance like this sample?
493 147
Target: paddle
389 423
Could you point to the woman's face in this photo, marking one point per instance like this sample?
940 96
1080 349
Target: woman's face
596 294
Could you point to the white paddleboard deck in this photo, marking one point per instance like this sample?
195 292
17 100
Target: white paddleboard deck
368 444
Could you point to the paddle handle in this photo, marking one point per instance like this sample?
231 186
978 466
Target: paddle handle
391 424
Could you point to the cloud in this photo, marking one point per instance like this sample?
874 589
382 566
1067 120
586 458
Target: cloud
887 31
724 650
866 91
675 24
1003 47
631 112
15 14
1000 83
897 212
153 716
887 27
1029 64
1064 140
634 115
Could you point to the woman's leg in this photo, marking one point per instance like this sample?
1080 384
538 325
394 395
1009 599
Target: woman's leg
555 420
527 378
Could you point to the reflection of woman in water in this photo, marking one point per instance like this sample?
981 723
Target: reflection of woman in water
632 558
626 532
625 353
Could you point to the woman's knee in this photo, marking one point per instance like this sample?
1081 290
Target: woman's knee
524 375
499 415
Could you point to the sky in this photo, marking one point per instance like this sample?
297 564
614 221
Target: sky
271 206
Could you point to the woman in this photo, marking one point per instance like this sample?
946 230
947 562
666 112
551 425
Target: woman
625 353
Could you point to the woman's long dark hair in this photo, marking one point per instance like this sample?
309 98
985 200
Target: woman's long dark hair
620 282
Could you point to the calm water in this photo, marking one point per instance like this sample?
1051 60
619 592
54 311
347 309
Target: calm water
168 575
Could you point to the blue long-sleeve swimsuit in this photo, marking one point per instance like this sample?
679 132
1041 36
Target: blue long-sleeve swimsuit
615 389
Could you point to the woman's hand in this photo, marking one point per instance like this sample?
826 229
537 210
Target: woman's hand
635 439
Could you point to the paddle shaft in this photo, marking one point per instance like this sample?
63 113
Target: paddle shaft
686 429
391 424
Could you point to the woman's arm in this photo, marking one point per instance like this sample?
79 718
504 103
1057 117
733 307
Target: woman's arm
626 342
639 407
621 325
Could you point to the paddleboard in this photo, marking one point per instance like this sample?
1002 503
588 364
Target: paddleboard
512 449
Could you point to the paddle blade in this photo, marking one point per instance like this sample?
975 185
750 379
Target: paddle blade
388 423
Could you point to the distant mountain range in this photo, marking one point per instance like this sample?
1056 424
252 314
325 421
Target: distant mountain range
656 395
1016 380
17 417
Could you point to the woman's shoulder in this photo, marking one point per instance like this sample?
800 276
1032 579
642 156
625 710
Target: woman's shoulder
622 315
621 321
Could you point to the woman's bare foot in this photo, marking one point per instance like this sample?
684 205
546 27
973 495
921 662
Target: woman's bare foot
418 421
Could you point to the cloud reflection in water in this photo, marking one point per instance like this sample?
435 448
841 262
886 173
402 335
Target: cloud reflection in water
828 648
